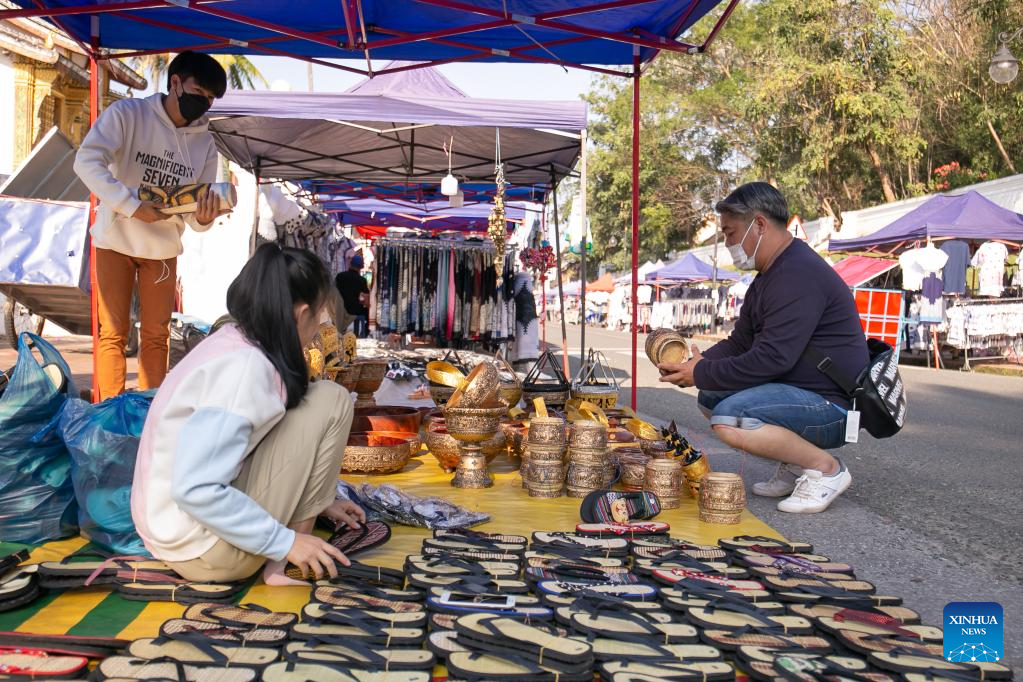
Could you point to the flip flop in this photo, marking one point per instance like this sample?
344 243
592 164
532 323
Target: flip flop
573 555
343 585
506 606
605 649
34 664
607 546
693 549
914 662
612 506
132 668
368 598
463 533
325 613
203 652
873 624
359 629
865 644
358 572
180 591
249 615
322 671
426 582
637 591
69 574
473 665
586 600
674 575
809 668
352 541
629 530
817 594
682 604
90 647
765 545
470 544
572 573
899 615
672 553
726 614
679 596
10 561
630 627
793 562
727 640
452 566
495 633
359 655
783 584
646 567
674 671
224 635
19 587
474 555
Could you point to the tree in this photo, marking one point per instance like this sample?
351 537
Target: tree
242 74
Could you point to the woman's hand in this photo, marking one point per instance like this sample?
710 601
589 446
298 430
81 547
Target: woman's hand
346 512
316 557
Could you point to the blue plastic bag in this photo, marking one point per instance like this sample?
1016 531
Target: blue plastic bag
37 500
103 441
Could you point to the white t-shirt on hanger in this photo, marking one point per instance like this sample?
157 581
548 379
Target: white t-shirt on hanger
990 258
918 263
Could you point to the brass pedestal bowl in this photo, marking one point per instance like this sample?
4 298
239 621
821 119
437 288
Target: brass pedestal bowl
348 377
371 375
471 427
443 446
387 418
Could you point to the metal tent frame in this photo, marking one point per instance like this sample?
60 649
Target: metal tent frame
580 35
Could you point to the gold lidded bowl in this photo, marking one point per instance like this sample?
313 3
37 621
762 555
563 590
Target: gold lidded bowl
589 434
722 498
545 479
632 462
547 431
473 424
374 453
663 477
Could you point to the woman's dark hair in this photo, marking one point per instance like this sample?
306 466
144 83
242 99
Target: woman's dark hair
206 71
261 301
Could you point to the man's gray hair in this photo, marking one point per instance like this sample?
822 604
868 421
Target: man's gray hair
756 197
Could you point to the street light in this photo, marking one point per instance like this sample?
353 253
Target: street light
1004 65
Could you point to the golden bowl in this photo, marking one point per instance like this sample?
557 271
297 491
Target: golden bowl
373 453
479 388
510 393
444 373
415 442
657 449
348 377
547 431
473 424
667 346
632 462
371 375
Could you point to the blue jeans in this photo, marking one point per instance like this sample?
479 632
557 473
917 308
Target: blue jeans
805 413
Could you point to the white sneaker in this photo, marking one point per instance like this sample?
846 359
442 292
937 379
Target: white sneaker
815 492
782 483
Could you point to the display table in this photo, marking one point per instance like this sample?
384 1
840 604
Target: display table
97 612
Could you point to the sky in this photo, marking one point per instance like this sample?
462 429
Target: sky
492 81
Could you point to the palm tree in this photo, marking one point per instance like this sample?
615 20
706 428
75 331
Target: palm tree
242 74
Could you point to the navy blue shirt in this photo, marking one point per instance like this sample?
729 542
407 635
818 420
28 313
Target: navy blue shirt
800 300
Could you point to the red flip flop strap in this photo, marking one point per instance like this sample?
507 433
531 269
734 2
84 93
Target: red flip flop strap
878 619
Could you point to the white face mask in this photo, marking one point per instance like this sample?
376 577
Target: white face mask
739 256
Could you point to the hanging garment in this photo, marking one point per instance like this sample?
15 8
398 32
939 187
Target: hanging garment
953 275
918 263
990 258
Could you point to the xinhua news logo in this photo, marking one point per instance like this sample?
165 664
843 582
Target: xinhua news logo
973 631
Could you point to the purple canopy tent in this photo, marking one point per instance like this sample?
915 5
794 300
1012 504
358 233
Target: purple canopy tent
577 34
966 216
689 268
434 215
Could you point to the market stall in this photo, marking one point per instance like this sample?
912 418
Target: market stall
955 254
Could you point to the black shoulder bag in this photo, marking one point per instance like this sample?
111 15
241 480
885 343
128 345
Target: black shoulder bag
878 392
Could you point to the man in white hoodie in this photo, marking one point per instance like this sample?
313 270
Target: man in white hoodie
159 141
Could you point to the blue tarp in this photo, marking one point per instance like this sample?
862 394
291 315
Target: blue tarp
689 268
967 216
235 28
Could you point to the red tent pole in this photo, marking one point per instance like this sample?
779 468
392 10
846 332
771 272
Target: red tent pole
635 215
94 290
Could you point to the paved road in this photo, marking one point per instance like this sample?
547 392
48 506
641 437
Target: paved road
934 515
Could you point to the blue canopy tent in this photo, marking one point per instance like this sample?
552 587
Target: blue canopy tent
570 33
966 216
689 268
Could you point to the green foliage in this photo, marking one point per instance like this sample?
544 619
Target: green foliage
242 74
840 103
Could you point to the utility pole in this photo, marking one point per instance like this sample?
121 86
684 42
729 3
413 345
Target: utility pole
309 75
717 238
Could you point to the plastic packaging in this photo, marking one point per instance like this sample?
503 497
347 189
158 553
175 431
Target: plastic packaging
103 441
37 501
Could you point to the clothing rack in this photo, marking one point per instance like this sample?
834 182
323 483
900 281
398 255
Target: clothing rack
439 244
972 303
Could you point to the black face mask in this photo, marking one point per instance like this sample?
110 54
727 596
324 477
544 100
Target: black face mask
192 107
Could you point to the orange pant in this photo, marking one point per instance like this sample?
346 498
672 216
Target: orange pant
115 279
